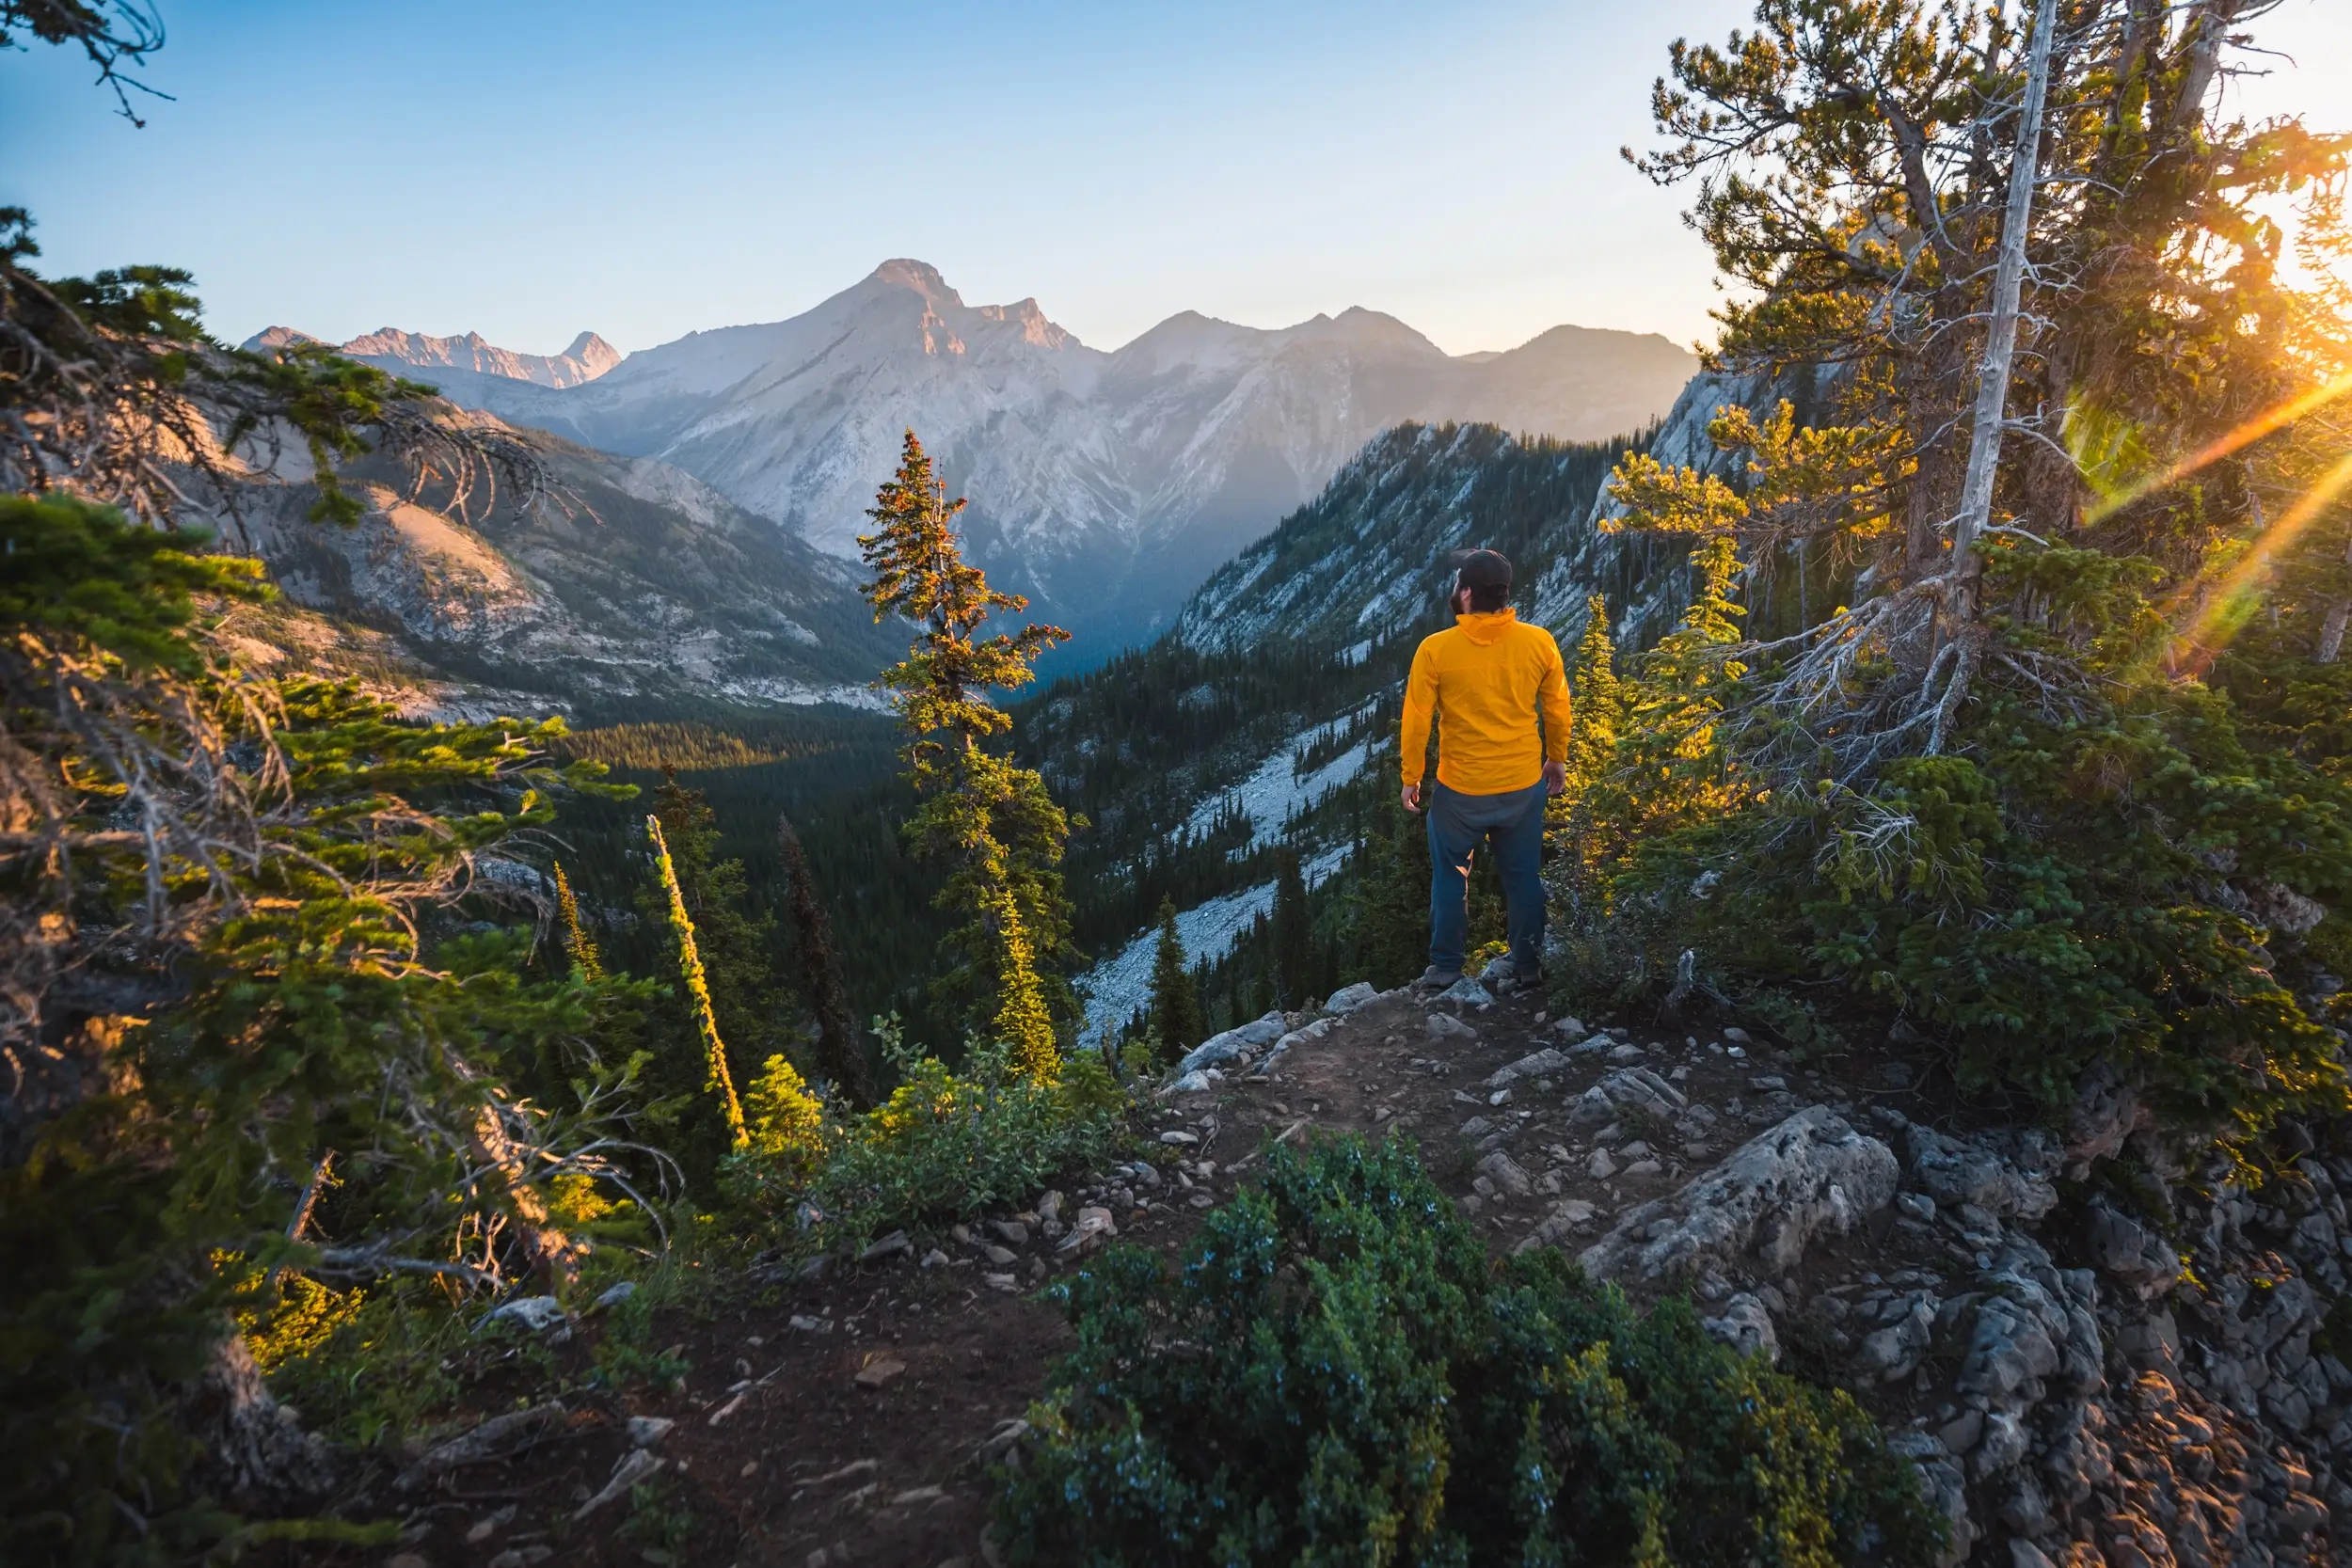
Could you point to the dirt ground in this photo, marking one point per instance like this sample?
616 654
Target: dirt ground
836 1421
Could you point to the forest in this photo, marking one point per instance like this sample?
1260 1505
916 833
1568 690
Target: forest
1959 788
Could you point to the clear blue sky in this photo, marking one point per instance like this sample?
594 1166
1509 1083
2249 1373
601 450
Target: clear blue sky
528 168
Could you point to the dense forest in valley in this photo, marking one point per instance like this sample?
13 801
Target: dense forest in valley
420 1134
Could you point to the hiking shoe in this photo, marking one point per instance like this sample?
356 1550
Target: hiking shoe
1510 971
1434 978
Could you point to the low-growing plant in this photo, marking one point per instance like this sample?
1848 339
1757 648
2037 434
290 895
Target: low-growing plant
947 1143
1339 1373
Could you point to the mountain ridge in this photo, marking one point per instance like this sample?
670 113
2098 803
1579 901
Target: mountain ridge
1106 484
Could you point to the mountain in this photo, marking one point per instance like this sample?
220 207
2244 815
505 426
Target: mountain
632 587
1105 484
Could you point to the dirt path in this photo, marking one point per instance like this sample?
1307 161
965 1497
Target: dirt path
836 1421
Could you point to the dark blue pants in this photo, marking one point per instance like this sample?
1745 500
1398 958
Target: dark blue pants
1458 824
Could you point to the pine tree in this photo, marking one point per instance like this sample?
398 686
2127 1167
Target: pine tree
993 823
1599 699
837 1046
1294 932
575 943
1175 1019
720 1082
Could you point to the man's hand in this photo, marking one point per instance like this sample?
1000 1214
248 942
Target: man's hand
1555 778
1412 798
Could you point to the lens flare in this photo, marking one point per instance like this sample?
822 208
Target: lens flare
2231 601
2212 451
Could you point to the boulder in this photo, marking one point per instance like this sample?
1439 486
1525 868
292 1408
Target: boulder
1811 1175
1445 1026
1506 1174
537 1313
2005 1181
1466 993
2127 1252
1627 1088
1567 1216
1348 998
1746 1326
2105 1112
1539 1064
1233 1045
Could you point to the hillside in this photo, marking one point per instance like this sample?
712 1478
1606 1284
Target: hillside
1105 484
630 587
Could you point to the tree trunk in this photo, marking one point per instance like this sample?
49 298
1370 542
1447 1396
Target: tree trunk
254 1449
2000 347
554 1257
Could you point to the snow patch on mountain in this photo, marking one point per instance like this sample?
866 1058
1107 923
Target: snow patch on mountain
1279 791
1118 986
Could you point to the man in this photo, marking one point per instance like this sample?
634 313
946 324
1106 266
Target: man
1487 680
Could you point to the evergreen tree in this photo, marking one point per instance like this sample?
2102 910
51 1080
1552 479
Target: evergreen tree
1293 933
837 1047
577 946
993 822
1599 699
1175 1021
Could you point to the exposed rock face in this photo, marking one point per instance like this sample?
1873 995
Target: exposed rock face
1812 1175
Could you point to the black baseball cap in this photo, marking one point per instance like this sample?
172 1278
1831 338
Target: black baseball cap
1481 568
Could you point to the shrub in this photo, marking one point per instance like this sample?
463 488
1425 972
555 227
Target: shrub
1337 1373
947 1144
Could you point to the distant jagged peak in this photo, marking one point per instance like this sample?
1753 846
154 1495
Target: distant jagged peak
392 347
272 338
905 271
945 317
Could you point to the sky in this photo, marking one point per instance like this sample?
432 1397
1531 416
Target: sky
530 168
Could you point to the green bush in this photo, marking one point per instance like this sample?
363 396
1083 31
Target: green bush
1339 1373
948 1142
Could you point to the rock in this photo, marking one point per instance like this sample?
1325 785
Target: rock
1192 1083
1178 1138
2004 1184
1567 1216
645 1431
1000 1447
1894 1352
1945 1487
1811 1175
1636 1088
1644 1170
2024 1554
521 1557
1445 1026
1049 1208
889 1246
1004 1282
2106 1111
1535 1064
1628 1052
1477 1127
1570 1028
934 1259
537 1313
1466 992
615 1294
1506 1174
1012 1232
804 1324
1093 1226
1919 1205
1601 1166
500 1437
1961 1433
1233 1045
1003 1257
877 1372
2129 1253
1348 998
1737 1036
2002 1445
636 1466
1746 1326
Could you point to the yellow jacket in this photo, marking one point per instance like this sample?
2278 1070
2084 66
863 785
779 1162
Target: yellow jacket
1488 676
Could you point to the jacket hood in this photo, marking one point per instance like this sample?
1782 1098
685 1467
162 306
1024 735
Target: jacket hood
1484 628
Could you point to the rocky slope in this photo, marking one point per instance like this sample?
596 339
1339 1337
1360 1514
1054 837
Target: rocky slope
633 587
2104 1346
1106 484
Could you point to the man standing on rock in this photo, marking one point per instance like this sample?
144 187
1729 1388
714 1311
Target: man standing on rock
1488 681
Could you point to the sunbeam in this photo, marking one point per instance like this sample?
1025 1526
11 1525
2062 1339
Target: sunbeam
2226 609
2246 435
